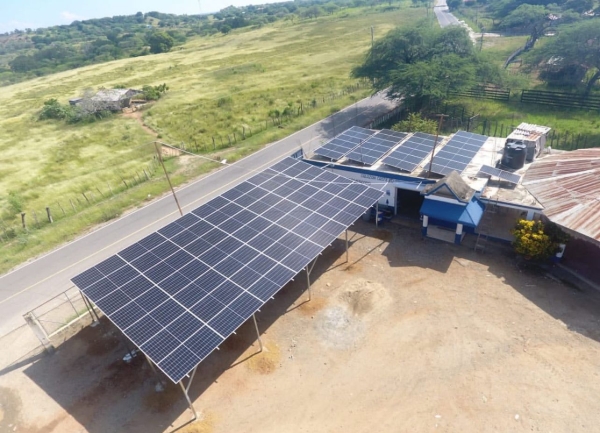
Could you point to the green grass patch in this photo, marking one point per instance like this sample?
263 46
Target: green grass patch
218 85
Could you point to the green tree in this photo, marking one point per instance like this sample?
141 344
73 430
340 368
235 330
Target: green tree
160 42
453 4
416 123
575 45
424 62
531 18
23 64
53 109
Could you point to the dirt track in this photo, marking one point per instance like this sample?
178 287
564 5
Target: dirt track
413 336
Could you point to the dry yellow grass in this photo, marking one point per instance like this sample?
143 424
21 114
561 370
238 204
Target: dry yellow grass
218 85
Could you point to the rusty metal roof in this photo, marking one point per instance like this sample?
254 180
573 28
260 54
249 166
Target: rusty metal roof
568 186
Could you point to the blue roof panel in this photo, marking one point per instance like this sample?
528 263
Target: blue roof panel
468 215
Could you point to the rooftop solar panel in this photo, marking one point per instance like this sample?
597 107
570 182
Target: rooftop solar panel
344 143
376 146
180 292
412 152
458 153
501 174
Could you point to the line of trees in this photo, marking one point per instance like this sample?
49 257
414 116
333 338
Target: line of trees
569 57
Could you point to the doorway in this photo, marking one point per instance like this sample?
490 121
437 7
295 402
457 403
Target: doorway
409 203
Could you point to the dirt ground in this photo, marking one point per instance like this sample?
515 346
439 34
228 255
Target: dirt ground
411 336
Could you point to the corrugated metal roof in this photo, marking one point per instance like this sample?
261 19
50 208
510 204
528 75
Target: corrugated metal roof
529 131
568 186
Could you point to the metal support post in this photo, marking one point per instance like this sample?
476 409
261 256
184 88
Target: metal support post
308 281
187 397
347 256
257 333
151 365
159 153
89 308
93 310
127 346
377 214
187 388
39 331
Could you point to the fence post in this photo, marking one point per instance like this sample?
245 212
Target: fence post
39 331
23 221
61 208
49 214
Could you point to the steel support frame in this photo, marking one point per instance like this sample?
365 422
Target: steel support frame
308 272
347 255
186 390
257 333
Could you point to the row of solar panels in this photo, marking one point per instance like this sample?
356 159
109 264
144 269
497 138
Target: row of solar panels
367 147
180 292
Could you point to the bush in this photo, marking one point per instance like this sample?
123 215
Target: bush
55 110
15 202
416 123
223 101
532 242
154 93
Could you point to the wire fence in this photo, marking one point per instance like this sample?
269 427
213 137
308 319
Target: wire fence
45 328
67 206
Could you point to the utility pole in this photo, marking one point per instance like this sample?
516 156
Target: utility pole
159 153
437 134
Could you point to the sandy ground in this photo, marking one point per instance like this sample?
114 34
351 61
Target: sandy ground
411 336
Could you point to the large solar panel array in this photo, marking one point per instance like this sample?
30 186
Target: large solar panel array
338 147
500 174
181 291
411 153
376 146
458 153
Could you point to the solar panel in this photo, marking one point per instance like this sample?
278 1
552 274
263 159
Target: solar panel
342 144
501 174
180 292
458 153
376 146
412 152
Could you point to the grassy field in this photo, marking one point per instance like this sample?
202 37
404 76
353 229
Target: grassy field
91 173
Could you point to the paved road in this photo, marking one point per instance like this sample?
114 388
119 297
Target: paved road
40 280
444 17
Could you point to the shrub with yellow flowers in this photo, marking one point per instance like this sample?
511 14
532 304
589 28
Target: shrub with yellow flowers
532 242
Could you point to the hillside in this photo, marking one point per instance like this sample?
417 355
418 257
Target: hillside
218 85
29 53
